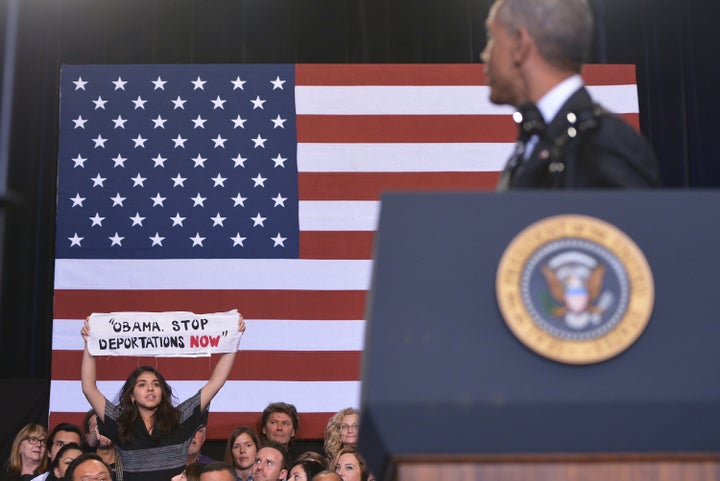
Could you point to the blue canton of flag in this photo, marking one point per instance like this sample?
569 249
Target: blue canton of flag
177 161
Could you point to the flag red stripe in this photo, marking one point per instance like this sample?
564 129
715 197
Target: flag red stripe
259 304
405 128
249 366
336 245
434 74
369 185
221 424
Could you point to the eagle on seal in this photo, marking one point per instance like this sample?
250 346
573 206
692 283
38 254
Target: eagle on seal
576 295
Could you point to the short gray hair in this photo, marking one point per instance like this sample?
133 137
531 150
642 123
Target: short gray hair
562 29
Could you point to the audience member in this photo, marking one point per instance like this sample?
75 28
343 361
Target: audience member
305 470
27 454
280 423
190 473
88 466
271 463
311 456
194 454
150 433
62 434
102 445
217 471
350 465
64 457
241 451
327 476
342 430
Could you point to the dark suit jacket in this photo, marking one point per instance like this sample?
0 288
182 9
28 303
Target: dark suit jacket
611 155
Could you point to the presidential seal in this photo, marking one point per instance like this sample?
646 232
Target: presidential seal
575 289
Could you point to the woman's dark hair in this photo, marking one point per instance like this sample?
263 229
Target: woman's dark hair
66 447
167 417
311 468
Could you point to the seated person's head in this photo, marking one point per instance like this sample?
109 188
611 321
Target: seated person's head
271 463
217 471
88 465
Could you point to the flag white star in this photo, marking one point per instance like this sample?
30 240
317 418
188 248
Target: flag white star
179 141
177 220
219 142
178 180
99 103
278 122
139 141
116 240
218 181
198 200
77 200
258 103
80 122
218 220
279 200
277 83
197 240
259 181
198 122
138 180
99 141
119 161
179 103
79 161
199 161
239 160
119 83
279 161
158 200
159 83
238 240
119 122
159 122
259 141
98 181
218 103
75 240
137 219
238 122
238 84
156 240
258 220
96 220
159 160
278 240
139 103
198 84
239 200
118 200
80 85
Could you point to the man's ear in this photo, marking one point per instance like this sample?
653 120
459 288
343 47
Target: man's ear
524 44
283 474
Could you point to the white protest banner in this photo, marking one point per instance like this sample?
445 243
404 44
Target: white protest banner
171 334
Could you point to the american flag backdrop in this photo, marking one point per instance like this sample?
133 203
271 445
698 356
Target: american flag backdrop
211 187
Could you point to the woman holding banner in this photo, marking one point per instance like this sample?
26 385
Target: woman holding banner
151 435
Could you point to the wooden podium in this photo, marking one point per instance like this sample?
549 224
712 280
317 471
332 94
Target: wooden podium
450 393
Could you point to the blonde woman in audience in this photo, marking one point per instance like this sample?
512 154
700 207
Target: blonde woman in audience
342 430
28 454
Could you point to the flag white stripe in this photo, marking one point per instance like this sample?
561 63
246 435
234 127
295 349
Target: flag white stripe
342 215
210 274
235 396
411 157
261 335
432 100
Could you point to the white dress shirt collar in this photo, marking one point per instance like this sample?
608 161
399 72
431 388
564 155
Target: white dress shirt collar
550 104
